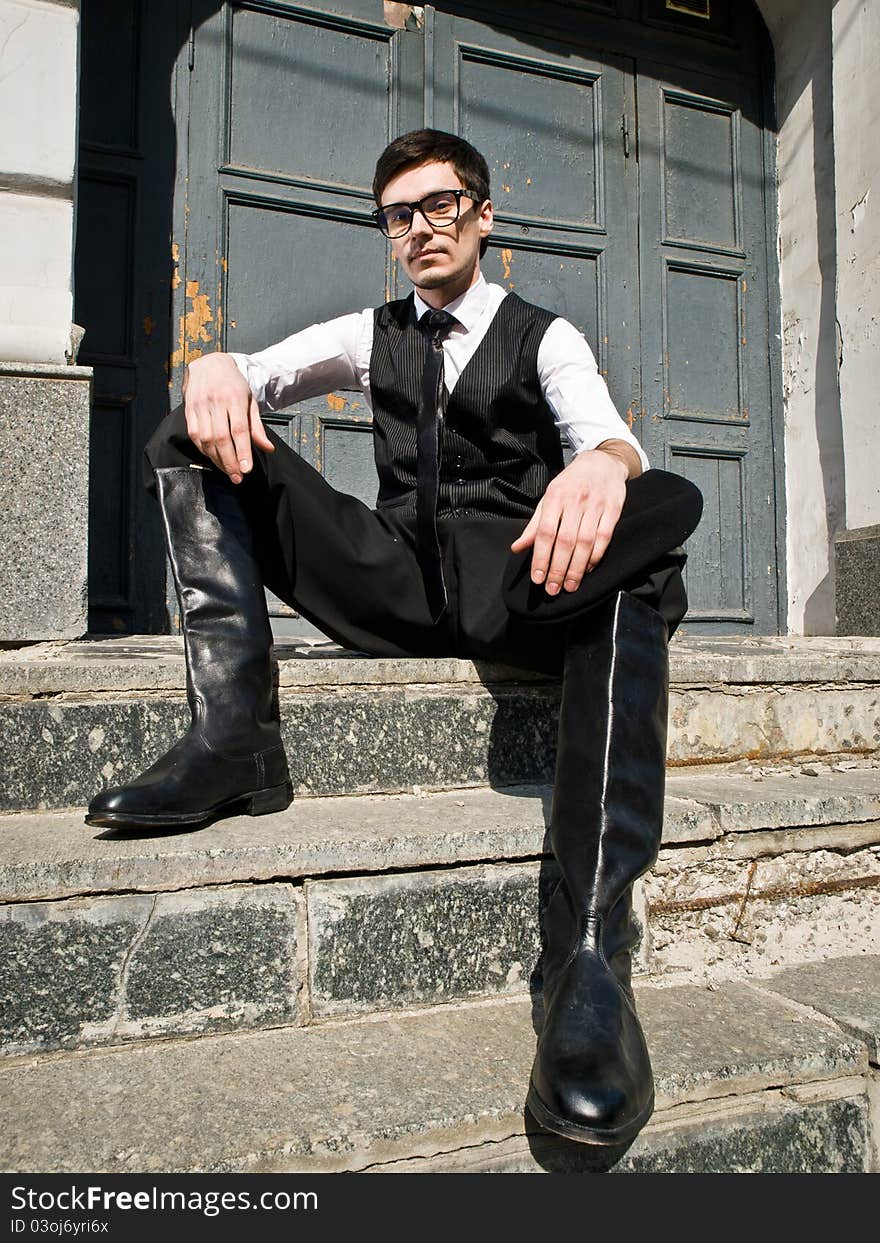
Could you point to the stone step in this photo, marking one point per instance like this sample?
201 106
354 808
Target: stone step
79 716
342 906
747 1080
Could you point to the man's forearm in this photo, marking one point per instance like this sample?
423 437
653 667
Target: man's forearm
625 453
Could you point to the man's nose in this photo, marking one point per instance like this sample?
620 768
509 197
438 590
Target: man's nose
420 226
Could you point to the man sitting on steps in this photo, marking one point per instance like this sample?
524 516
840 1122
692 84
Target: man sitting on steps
482 545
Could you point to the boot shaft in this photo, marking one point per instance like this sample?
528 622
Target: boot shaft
607 815
225 622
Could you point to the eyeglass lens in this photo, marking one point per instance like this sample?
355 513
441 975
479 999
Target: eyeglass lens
439 209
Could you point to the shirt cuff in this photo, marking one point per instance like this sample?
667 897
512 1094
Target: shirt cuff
643 457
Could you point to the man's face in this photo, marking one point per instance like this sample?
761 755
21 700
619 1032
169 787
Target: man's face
432 256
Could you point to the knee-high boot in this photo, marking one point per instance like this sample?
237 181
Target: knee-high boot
592 1078
231 757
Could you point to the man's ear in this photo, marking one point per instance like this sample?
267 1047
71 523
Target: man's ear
487 218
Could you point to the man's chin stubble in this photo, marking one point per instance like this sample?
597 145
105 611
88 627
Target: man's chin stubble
432 281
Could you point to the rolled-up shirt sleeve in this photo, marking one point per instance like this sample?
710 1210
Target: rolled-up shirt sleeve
327 356
576 392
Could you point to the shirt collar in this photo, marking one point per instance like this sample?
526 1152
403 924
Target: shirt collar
467 308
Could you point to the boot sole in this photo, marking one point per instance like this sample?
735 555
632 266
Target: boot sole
257 803
584 1134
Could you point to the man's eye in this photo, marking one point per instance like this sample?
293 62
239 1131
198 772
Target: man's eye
397 215
441 202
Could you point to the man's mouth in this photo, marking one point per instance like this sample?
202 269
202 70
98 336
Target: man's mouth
427 254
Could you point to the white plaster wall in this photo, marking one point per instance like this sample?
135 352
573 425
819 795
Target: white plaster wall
38 89
38 133
856 31
35 262
814 464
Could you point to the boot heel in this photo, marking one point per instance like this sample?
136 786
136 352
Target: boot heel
274 799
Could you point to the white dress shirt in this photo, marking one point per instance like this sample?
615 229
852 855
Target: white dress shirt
336 355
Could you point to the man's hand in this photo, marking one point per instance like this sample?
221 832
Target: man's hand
222 417
576 516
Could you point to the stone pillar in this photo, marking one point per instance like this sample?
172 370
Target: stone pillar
856 54
814 467
44 448
44 399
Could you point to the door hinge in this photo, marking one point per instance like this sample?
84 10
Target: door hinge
192 48
624 129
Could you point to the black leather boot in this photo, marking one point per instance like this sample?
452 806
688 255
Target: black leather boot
592 1078
231 758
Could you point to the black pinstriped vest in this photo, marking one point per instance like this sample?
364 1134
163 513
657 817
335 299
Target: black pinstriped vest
499 445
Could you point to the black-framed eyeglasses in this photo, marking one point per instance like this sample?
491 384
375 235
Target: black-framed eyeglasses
440 209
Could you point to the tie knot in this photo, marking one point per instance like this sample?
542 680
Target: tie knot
439 323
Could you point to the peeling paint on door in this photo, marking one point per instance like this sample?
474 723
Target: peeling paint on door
193 329
403 16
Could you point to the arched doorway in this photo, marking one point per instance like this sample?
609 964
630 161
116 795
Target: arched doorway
630 173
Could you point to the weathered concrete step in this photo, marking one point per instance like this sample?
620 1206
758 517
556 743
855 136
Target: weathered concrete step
53 855
155 662
353 905
74 719
746 1079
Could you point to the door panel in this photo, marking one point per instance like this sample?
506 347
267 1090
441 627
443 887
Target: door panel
279 259
289 106
283 67
705 333
565 191
122 292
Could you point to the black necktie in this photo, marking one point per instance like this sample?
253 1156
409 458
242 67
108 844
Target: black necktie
436 324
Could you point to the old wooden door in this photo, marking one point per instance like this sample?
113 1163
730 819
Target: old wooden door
630 176
125 189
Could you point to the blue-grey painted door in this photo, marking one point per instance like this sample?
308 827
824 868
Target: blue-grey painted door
290 104
553 121
122 290
706 405
629 184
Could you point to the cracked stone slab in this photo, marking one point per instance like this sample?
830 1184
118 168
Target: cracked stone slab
847 991
348 1095
759 1136
428 937
709 1043
386 942
54 855
738 804
88 971
423 938
61 967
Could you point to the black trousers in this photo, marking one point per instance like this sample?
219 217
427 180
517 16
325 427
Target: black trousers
353 572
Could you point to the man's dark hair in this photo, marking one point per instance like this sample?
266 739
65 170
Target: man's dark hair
424 146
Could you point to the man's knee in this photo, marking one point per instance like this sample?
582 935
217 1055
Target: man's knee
664 590
169 445
169 439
